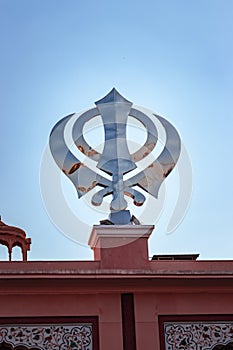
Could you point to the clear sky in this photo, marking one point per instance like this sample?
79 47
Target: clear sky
174 57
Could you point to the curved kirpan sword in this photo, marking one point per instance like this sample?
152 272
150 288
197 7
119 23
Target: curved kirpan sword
85 179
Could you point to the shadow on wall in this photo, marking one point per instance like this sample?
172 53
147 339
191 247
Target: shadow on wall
5 346
224 347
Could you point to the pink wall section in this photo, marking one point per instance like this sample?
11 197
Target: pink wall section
101 297
107 307
93 288
151 305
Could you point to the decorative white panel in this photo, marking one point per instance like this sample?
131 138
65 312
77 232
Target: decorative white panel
49 337
197 335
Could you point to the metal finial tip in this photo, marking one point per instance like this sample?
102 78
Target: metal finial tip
113 97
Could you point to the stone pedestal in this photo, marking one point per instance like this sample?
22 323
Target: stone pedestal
121 246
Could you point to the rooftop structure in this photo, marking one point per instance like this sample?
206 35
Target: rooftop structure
11 236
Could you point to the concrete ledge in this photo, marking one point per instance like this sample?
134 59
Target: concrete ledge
118 235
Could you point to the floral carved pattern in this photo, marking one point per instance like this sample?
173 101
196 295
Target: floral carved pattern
197 336
49 337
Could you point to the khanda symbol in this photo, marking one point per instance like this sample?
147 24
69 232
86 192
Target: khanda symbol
115 159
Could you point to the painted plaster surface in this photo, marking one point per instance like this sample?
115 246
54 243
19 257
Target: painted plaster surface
94 288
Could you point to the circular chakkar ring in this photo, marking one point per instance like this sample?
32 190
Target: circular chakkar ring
85 148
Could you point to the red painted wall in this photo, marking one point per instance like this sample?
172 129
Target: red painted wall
59 289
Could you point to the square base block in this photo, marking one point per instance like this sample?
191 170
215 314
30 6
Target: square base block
121 246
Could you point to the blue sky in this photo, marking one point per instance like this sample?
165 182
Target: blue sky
173 57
